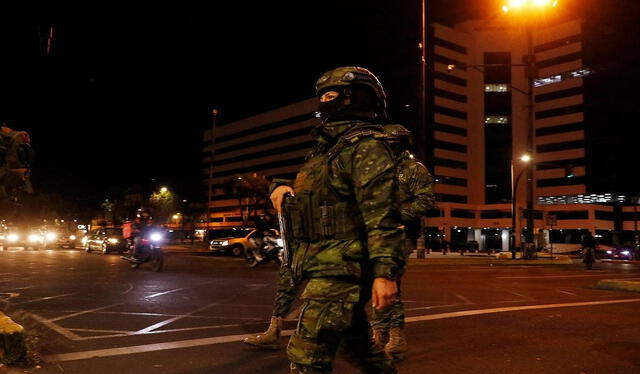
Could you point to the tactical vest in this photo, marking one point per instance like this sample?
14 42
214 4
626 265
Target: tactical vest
317 211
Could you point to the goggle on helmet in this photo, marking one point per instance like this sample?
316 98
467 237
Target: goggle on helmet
353 75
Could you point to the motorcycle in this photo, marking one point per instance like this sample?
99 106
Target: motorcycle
270 250
149 250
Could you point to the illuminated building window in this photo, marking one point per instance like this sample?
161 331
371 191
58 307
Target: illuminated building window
496 87
581 199
496 120
583 72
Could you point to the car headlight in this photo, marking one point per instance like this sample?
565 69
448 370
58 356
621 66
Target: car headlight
51 236
609 252
156 237
72 237
626 253
113 240
1 237
13 238
225 242
279 242
33 238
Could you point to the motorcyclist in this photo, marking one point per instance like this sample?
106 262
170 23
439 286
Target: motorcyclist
142 227
262 238
589 245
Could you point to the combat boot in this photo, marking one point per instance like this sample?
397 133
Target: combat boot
396 347
268 339
379 338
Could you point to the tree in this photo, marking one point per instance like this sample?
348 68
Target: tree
163 204
251 192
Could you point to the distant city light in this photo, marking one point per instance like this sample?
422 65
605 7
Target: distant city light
583 72
581 199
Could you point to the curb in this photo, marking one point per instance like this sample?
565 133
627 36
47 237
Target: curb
619 285
489 261
13 346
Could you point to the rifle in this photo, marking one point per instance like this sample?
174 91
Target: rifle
286 258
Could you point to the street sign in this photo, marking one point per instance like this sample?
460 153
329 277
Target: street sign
551 220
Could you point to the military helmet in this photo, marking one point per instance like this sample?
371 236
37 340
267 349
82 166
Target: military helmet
397 132
352 75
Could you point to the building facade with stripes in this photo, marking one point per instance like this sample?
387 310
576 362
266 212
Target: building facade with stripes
477 129
272 144
480 126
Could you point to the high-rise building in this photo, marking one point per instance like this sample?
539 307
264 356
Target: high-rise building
479 124
500 91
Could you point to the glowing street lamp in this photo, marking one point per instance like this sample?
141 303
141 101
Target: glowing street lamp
164 190
517 5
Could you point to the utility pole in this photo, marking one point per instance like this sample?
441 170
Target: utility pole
531 70
214 114
422 94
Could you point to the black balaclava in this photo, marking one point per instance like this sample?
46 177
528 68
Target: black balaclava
354 102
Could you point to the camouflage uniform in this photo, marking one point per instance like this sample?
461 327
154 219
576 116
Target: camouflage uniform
15 160
416 198
345 222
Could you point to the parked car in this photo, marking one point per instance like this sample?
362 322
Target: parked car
234 241
105 240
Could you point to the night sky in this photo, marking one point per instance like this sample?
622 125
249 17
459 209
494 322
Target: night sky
128 89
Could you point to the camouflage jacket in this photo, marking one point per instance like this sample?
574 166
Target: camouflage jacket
362 172
416 187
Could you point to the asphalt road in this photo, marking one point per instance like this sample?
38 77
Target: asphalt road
92 313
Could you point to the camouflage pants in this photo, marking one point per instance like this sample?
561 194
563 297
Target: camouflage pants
286 292
390 317
327 326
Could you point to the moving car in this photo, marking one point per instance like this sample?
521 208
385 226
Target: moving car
105 240
17 237
235 241
619 253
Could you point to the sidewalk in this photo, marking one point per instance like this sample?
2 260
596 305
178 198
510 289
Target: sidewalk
500 258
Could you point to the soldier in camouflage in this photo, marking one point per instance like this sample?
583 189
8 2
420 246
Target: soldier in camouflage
345 221
416 198
15 162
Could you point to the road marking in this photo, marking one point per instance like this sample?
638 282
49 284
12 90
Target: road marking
42 299
83 312
556 276
237 338
128 289
59 329
164 293
466 301
171 320
466 313
434 307
567 292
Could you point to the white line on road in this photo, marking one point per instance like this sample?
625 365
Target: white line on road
171 320
466 301
83 312
567 292
236 338
164 293
60 330
554 276
42 299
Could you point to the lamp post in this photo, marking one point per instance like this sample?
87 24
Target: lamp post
214 114
529 8
515 180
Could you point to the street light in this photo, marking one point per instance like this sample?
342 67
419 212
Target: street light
164 190
514 193
214 115
526 8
